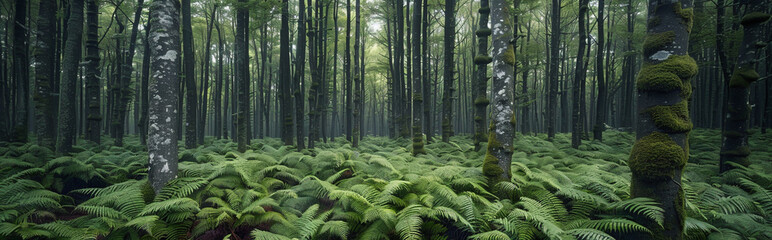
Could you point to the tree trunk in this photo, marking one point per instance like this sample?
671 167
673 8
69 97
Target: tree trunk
357 101
448 71
418 138
284 76
498 157
205 81
734 146
218 87
21 74
145 84
481 82
242 76
44 75
553 69
190 77
67 101
661 148
579 77
600 109
427 90
300 69
164 89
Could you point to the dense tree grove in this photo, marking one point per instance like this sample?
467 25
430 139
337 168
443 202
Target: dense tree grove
385 119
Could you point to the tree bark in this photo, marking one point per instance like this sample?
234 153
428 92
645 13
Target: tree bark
242 75
67 99
579 77
164 89
481 81
553 69
418 138
600 109
663 86
284 76
190 78
21 73
44 55
734 146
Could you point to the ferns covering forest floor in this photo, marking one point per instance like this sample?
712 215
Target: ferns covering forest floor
378 191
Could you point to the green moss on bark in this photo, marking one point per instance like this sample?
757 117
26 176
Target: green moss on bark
754 18
669 75
656 41
657 157
742 77
482 60
671 118
687 15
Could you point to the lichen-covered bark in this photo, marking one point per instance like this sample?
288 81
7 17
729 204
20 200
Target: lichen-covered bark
67 99
418 133
93 84
44 74
447 75
734 146
164 90
498 158
481 76
663 87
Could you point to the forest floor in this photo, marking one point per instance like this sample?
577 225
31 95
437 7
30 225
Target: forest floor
378 191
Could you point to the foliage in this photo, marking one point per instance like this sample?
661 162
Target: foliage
379 191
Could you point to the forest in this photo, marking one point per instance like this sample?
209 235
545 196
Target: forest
385 119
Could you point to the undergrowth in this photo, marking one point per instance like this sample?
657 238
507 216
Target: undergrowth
378 191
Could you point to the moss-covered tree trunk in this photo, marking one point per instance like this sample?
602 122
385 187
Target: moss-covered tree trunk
498 157
164 90
418 133
44 74
93 85
663 87
734 147
447 74
480 83
67 98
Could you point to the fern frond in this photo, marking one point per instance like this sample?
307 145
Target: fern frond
490 235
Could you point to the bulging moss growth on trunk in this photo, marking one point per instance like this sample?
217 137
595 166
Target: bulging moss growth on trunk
657 157
743 77
482 100
482 60
754 18
656 41
671 118
669 75
509 55
483 32
491 168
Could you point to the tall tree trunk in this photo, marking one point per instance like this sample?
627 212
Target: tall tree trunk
579 77
734 146
44 75
661 148
357 100
93 82
600 74
284 76
145 84
164 89
481 81
418 138
242 75
498 157
218 88
426 88
335 120
205 81
21 74
67 101
553 69
448 70
125 77
189 73
300 69
313 91
347 68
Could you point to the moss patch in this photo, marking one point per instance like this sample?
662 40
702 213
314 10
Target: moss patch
669 75
687 15
656 157
742 77
656 41
754 18
671 118
482 60
509 55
